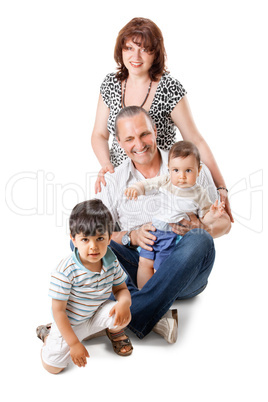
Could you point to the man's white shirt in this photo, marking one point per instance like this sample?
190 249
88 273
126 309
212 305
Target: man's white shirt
130 214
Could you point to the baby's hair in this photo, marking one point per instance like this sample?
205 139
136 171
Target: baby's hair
183 149
91 218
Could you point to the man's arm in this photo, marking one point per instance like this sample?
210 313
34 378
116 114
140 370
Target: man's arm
216 228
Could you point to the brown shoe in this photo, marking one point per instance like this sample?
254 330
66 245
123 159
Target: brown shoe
42 331
119 345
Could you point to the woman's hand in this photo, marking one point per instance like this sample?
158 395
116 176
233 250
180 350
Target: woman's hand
224 198
107 168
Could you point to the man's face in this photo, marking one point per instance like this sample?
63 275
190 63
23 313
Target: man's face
137 137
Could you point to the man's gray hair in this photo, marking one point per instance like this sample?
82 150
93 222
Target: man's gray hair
131 111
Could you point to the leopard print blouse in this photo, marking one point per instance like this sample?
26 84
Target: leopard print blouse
169 92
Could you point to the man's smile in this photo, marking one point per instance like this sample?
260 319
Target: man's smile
140 152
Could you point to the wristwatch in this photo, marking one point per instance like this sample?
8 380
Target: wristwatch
126 239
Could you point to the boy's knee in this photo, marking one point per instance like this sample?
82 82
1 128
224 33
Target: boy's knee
51 369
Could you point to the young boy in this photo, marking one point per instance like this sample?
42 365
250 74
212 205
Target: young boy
179 195
80 288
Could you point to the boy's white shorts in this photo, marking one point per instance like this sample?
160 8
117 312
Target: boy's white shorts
56 351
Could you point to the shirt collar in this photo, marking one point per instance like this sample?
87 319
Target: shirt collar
108 259
133 172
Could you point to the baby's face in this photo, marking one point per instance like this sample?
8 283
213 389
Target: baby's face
184 171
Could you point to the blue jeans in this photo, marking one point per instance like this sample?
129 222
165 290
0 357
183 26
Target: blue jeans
183 275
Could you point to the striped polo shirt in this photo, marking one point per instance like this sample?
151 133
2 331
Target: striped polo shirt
84 290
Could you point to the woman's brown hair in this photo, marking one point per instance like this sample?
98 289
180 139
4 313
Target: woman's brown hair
143 32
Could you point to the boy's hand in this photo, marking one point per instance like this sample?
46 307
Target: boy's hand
79 354
122 314
131 192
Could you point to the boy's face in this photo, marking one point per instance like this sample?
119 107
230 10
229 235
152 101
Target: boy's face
184 171
91 248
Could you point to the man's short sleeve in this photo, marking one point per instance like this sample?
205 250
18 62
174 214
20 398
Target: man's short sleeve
109 195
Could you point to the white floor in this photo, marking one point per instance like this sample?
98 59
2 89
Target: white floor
55 57
221 352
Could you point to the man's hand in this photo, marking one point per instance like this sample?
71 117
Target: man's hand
143 238
79 354
185 226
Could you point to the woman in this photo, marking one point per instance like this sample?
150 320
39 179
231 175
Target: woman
142 80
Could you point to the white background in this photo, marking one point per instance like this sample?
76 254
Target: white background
54 56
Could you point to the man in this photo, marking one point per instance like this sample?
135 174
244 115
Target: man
185 272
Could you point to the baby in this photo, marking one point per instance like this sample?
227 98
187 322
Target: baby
179 196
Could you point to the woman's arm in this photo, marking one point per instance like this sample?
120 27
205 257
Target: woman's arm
183 119
100 134
99 142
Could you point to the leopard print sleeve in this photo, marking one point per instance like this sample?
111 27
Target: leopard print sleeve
104 90
169 92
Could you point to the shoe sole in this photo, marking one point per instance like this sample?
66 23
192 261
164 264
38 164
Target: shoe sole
174 334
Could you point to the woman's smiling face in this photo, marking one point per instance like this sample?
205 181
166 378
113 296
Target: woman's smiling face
136 59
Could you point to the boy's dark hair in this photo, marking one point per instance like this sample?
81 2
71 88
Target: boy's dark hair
91 218
183 149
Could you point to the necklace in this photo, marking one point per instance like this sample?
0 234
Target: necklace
124 91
